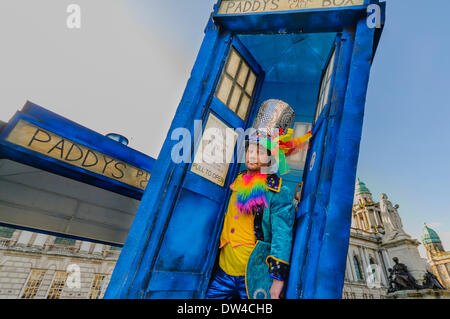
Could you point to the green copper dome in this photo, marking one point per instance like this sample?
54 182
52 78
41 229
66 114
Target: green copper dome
429 236
360 187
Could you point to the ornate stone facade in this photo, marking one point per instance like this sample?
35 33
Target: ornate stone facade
39 266
438 258
377 236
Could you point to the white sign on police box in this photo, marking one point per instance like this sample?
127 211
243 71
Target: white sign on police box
215 152
255 6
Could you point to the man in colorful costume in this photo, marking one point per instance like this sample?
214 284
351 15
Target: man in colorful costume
256 239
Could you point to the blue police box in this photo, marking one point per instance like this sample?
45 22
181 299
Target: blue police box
315 55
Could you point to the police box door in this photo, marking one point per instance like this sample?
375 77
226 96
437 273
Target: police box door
186 250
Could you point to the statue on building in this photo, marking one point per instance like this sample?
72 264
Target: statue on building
400 278
430 281
392 222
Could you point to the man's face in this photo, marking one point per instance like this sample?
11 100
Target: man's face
256 157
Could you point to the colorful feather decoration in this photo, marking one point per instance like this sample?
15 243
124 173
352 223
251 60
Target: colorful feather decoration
251 192
292 146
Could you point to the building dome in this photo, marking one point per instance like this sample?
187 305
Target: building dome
429 236
361 188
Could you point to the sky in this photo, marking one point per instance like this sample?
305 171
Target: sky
125 70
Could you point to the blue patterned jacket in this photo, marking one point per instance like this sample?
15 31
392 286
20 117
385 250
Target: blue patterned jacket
273 228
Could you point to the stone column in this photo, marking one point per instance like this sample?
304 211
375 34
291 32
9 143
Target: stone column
370 224
40 240
350 268
386 258
85 247
98 249
363 261
382 269
24 238
366 218
377 218
447 276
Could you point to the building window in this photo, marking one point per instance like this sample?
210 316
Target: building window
97 286
358 268
325 87
6 232
33 284
237 84
64 241
59 281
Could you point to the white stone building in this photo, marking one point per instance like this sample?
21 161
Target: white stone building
377 236
38 266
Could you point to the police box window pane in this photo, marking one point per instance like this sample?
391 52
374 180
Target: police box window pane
243 74
233 63
225 89
325 87
251 83
243 109
237 84
235 97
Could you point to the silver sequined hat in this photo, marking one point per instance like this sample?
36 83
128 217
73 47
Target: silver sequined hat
272 116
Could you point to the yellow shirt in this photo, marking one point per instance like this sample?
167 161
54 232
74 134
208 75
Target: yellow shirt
236 241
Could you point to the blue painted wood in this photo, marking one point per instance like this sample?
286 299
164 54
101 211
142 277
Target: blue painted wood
302 228
309 195
323 189
318 210
70 130
333 253
302 282
85 136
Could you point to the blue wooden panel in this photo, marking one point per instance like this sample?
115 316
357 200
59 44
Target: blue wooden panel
169 294
188 237
333 253
173 284
333 111
310 225
302 233
312 211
